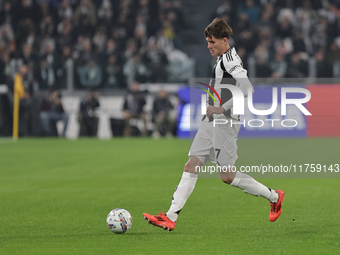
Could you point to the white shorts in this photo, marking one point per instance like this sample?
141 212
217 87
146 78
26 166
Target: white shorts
216 144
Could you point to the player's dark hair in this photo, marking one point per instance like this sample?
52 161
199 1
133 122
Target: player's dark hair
218 28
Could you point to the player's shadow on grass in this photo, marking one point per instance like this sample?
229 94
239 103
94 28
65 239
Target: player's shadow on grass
137 233
154 232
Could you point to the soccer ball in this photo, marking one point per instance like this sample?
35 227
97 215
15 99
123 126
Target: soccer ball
119 221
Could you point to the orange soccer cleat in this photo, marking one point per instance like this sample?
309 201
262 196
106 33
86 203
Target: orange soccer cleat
160 220
276 208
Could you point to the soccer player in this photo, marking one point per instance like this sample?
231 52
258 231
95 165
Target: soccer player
218 143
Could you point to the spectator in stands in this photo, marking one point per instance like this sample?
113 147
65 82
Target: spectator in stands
284 15
87 10
125 26
88 68
284 28
278 66
169 30
283 46
114 77
125 8
225 12
178 10
245 39
47 50
99 39
134 108
157 62
26 32
5 67
110 49
319 38
52 111
304 22
160 115
224 8
47 26
33 40
264 37
46 68
131 49
45 75
243 23
262 52
65 10
84 51
7 13
176 26
252 10
105 13
262 68
87 118
309 11
63 64
297 67
164 44
65 36
78 47
90 75
22 86
327 18
5 115
44 10
141 40
28 10
27 56
84 27
143 9
7 37
323 68
119 38
141 24
333 58
268 13
299 44
135 70
266 23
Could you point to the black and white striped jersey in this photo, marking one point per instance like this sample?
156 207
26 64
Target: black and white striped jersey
227 66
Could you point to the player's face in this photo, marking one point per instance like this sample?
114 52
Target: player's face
217 46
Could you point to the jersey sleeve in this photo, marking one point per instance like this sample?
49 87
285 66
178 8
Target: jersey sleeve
232 63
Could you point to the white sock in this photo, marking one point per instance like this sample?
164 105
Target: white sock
181 194
250 186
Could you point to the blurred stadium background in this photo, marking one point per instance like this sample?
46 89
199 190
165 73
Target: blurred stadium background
104 46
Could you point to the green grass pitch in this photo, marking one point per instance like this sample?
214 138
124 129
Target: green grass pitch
55 195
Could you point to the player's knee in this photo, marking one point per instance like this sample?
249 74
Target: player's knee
227 180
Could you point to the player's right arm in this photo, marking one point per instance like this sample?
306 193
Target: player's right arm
233 66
